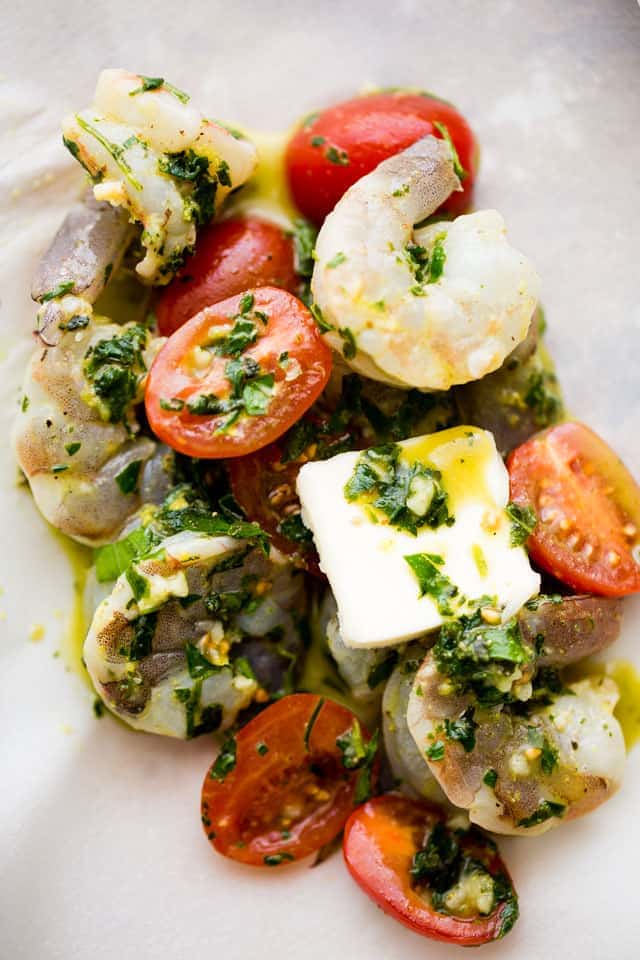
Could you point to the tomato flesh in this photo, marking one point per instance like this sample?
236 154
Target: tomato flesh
380 840
289 792
232 256
237 375
588 509
333 149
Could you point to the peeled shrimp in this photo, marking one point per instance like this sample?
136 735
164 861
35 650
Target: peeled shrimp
149 151
426 308
524 766
163 660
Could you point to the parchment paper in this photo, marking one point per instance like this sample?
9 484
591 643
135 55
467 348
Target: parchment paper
101 847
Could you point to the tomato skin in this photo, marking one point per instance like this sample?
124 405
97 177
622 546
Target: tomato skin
570 476
290 328
231 256
243 813
370 129
380 840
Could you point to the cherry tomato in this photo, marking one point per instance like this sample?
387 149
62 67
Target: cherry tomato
264 483
231 257
286 786
588 509
333 149
381 841
237 375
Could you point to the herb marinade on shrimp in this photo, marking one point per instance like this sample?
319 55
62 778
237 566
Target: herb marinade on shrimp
284 437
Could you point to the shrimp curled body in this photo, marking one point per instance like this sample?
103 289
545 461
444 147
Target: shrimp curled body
426 308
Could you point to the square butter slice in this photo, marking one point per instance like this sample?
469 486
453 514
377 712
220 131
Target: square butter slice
455 564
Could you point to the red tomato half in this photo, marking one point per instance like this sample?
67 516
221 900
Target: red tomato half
286 786
237 375
264 483
381 839
231 256
333 149
588 509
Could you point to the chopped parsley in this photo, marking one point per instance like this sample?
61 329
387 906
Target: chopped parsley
523 521
225 761
66 286
116 150
336 261
77 322
425 267
127 479
311 722
293 528
432 581
156 83
463 729
545 405
198 665
143 631
275 859
490 778
72 448
304 238
114 558
358 755
318 141
193 168
349 345
251 393
459 170
410 496
115 368
546 810
198 719
435 752
336 156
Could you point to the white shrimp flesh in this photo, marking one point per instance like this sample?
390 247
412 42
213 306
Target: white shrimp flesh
426 308
505 736
148 150
179 646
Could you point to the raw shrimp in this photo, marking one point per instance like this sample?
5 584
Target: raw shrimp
76 436
81 453
149 151
364 671
426 308
503 735
168 650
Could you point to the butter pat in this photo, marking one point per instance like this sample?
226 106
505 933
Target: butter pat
379 594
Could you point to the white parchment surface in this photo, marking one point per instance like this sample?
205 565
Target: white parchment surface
100 845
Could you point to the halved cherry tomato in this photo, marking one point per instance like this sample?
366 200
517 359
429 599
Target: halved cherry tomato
287 784
264 483
588 509
381 839
334 148
232 256
237 375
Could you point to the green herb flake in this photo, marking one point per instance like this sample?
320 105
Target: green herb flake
59 468
546 810
77 322
459 170
435 752
275 859
432 581
311 722
336 261
490 778
463 729
98 708
138 583
72 448
438 259
171 404
24 406
114 558
262 748
349 345
339 157
157 83
318 141
523 522
66 286
225 761
358 755
128 478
